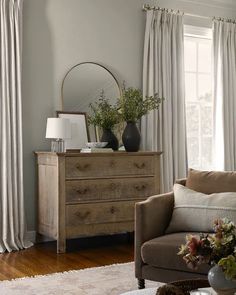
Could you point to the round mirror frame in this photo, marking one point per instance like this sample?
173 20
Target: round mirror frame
82 63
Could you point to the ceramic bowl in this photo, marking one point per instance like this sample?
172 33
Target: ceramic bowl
96 144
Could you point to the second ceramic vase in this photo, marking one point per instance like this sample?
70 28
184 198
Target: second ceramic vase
109 136
131 137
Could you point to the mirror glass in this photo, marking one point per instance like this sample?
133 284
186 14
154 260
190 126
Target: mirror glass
83 85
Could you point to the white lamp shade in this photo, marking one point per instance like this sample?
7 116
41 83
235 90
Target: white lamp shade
58 128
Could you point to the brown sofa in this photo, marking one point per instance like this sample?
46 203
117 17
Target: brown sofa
156 252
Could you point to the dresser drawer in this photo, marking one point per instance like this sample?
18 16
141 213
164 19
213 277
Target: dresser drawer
84 230
99 213
109 189
82 167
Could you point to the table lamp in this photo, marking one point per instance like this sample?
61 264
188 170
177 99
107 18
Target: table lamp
58 129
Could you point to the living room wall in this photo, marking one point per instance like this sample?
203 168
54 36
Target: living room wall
58 34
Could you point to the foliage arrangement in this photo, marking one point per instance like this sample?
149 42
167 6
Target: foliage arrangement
132 105
218 248
103 114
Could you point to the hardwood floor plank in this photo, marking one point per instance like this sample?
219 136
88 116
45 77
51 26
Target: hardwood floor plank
42 258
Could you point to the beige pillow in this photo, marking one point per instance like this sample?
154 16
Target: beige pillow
209 182
194 211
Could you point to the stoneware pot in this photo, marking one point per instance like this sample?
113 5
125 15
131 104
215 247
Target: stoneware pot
109 136
219 283
131 137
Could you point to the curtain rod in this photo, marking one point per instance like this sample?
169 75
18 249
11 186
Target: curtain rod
147 7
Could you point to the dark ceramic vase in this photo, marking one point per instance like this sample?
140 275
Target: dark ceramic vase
109 136
131 137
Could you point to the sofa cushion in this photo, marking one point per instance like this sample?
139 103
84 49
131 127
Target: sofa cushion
194 211
162 252
209 182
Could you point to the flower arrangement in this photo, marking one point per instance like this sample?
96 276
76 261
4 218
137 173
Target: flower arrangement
132 105
103 114
217 248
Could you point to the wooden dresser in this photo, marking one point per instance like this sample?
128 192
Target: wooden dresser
92 194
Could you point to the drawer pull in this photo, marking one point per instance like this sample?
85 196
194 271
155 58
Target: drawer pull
112 164
140 187
82 191
82 216
113 186
84 167
139 166
113 210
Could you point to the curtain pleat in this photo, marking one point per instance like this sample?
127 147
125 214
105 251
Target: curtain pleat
163 73
12 216
224 45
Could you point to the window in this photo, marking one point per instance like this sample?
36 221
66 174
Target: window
199 101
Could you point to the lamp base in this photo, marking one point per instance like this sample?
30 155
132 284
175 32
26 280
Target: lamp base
58 146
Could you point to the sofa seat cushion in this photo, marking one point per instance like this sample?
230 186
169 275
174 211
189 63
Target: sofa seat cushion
162 252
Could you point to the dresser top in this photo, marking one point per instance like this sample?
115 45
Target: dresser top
100 154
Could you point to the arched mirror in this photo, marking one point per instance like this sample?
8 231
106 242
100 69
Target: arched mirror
83 85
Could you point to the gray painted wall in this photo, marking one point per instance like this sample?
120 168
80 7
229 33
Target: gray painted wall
57 34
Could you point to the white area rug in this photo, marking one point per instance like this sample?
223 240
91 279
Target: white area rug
108 280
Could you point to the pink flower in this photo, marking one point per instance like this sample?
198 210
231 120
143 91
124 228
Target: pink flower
193 245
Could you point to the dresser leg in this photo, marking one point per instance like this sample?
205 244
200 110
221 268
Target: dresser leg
61 246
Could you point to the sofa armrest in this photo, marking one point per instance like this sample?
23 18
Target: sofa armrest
151 220
181 181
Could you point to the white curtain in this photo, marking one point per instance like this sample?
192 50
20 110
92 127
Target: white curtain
224 44
163 72
12 217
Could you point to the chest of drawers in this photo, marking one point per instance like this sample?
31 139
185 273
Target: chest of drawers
92 194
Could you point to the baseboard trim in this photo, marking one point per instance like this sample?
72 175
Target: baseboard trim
31 236
35 238
43 239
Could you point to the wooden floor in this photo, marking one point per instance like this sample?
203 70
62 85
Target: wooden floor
82 253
